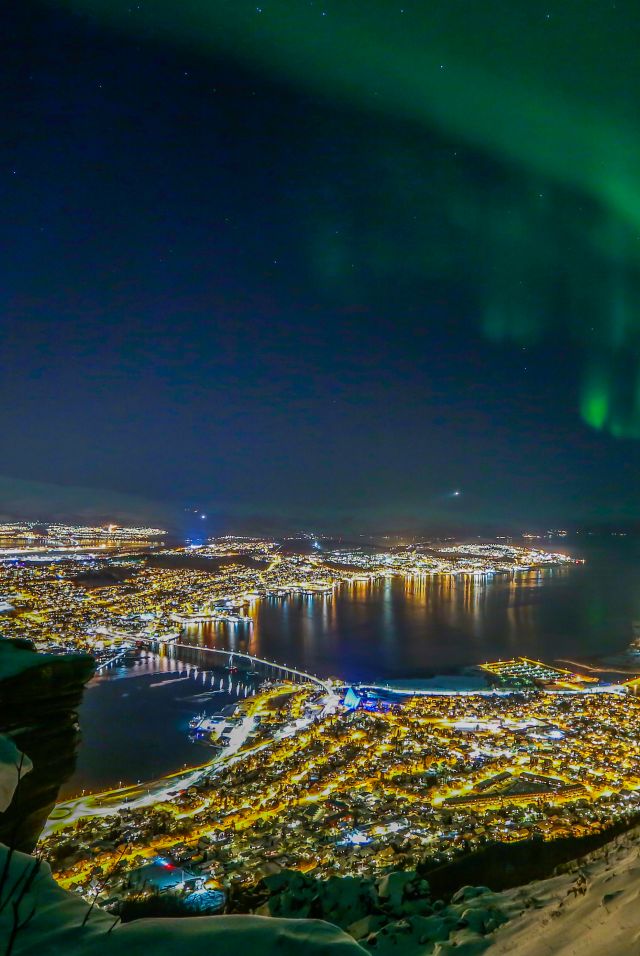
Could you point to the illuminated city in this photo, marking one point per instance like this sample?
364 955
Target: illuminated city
319 511
321 777
52 591
359 780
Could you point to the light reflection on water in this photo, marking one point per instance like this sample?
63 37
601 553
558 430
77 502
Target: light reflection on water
405 627
135 720
390 628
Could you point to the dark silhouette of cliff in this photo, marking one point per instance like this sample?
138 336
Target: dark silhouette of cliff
39 696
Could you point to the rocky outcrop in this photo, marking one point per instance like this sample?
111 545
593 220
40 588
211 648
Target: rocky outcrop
39 696
393 914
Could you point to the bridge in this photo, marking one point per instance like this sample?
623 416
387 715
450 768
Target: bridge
289 673
191 654
118 655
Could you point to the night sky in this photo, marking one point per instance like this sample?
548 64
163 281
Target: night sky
322 261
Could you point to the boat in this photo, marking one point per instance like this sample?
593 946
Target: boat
231 667
195 722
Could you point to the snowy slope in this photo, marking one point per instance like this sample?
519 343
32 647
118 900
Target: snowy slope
56 928
593 910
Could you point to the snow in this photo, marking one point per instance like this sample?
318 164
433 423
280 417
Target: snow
393 915
13 765
591 910
56 928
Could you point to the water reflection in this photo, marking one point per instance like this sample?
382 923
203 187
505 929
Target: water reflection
404 627
135 721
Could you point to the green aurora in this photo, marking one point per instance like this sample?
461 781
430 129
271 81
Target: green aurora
546 96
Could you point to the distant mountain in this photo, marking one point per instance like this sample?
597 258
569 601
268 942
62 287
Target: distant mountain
45 501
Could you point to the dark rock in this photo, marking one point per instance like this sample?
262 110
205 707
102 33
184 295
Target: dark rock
39 696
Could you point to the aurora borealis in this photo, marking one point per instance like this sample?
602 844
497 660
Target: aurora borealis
552 90
391 213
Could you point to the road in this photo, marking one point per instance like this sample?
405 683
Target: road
162 790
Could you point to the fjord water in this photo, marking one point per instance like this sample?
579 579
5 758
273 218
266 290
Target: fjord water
409 628
135 720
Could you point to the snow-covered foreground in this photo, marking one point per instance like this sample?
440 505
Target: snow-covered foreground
592 910
56 927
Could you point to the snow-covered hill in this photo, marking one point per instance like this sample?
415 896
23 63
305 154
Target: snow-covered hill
592 910
58 928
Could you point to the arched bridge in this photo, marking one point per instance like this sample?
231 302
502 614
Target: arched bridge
189 651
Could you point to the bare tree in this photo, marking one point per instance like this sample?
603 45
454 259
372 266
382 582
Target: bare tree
100 887
17 896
